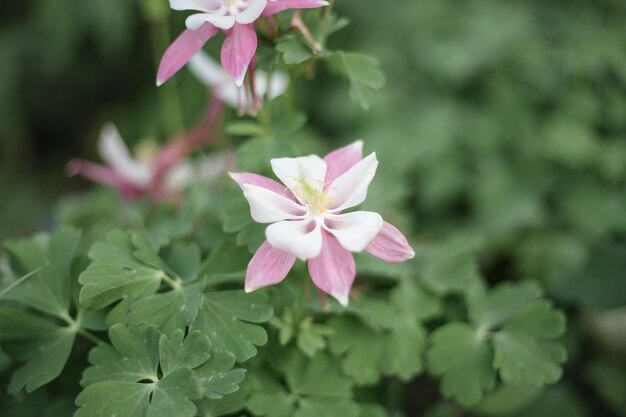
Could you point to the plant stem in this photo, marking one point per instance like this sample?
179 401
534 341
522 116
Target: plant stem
321 36
299 310
89 336
168 94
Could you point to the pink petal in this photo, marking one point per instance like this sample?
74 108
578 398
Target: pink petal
341 160
105 176
238 50
268 266
333 271
182 50
243 178
276 6
390 245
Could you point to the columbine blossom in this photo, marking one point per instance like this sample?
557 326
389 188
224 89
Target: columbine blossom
158 173
224 88
306 221
233 17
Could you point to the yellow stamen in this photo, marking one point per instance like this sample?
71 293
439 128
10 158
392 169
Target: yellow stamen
315 197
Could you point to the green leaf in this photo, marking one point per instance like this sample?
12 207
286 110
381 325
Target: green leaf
449 266
463 360
292 50
116 273
127 268
362 72
507 399
313 387
311 336
231 319
185 259
169 310
218 377
48 289
41 343
367 354
524 350
600 284
17 282
226 263
491 309
125 380
512 332
410 297
285 123
244 128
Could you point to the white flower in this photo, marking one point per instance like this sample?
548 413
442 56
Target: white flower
211 74
222 14
306 221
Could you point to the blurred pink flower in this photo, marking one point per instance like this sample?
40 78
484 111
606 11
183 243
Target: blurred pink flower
160 174
233 17
306 221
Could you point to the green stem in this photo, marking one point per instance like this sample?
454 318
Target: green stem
321 36
168 93
89 336
175 284
74 325
299 310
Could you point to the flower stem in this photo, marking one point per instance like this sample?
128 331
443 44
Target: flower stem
328 12
300 303
168 94
298 24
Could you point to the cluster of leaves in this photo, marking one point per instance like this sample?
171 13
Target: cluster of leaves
174 338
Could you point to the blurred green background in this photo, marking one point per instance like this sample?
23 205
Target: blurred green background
502 123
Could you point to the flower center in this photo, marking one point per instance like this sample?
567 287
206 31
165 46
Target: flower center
146 151
316 198
232 5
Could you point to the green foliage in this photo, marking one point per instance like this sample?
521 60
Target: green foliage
293 51
230 318
127 268
511 332
31 331
312 387
146 373
362 72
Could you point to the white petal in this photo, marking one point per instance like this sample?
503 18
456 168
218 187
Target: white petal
180 176
354 230
294 171
350 189
208 71
267 207
302 239
194 22
278 84
251 13
115 153
230 94
199 5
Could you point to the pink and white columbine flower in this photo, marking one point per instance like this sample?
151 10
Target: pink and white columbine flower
158 173
211 74
306 221
233 17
